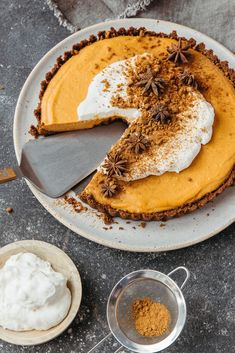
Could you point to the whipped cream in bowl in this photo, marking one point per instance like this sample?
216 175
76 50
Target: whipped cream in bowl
33 296
40 292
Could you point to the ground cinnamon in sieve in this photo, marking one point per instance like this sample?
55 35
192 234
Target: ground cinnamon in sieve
151 318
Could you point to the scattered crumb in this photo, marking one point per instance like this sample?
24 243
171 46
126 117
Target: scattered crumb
106 218
208 214
128 222
121 228
142 225
34 131
105 228
110 227
162 225
9 209
213 209
77 205
134 227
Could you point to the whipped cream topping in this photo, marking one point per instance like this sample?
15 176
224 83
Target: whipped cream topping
98 100
32 295
178 152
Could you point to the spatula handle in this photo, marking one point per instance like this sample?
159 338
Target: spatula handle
7 174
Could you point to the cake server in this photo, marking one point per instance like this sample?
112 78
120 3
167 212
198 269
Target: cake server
55 164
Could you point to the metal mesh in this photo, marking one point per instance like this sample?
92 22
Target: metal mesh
140 289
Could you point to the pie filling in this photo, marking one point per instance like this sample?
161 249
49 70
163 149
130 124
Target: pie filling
180 142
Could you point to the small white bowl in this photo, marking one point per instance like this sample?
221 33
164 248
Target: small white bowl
61 263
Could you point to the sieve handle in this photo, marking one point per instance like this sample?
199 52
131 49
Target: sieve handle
186 272
104 339
101 341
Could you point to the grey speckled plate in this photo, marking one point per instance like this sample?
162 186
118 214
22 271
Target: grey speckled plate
176 233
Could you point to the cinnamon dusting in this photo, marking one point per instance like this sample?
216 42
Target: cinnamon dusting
150 317
163 116
106 85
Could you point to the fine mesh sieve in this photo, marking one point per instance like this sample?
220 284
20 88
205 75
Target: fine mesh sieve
138 285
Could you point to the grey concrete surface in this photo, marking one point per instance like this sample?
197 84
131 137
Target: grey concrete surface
213 17
27 31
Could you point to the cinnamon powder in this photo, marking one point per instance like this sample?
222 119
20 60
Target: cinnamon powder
150 317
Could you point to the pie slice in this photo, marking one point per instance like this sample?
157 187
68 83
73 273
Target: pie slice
178 99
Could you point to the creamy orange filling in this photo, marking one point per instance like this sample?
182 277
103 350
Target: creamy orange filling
157 193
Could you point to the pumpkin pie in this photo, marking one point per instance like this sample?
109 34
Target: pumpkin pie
178 99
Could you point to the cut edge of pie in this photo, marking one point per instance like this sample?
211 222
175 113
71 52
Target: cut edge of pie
88 198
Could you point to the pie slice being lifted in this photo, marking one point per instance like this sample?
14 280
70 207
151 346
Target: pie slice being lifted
178 99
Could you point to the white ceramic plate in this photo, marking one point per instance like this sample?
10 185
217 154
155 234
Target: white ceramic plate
178 232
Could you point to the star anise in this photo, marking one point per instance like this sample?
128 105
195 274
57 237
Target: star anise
109 188
137 143
160 113
115 165
178 53
188 79
149 81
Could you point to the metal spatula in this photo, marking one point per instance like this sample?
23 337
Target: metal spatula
55 164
